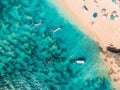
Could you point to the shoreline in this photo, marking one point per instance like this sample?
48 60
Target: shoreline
73 12
62 10
105 32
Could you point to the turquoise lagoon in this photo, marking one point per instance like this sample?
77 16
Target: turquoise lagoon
32 57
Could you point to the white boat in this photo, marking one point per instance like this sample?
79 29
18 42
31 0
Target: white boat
37 24
80 62
57 29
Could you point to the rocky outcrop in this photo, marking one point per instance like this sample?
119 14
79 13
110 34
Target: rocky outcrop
113 49
113 52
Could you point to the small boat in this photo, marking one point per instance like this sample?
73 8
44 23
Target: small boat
80 61
37 24
56 29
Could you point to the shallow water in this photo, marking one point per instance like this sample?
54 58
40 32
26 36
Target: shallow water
34 58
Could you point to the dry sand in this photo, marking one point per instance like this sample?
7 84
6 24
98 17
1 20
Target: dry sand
102 29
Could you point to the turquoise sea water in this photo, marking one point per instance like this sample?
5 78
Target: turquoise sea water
34 58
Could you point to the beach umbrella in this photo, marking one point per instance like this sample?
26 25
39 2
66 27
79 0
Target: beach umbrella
104 16
85 8
104 11
112 17
114 13
95 15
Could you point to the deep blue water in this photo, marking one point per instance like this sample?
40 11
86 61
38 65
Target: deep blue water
34 58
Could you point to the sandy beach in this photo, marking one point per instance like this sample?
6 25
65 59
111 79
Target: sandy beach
101 21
